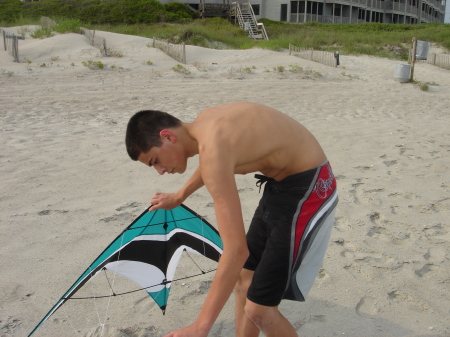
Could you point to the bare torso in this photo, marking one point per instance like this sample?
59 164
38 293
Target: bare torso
258 138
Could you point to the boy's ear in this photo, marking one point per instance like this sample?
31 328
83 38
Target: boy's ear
167 134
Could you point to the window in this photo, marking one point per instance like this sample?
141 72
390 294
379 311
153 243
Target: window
256 9
283 13
294 7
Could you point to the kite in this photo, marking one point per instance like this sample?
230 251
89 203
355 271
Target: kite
147 252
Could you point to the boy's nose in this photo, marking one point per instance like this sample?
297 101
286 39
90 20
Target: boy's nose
160 169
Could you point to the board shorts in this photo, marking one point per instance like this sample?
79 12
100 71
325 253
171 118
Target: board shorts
289 234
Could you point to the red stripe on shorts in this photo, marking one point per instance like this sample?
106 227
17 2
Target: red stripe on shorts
324 186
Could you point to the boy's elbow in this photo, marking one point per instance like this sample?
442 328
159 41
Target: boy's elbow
237 255
242 255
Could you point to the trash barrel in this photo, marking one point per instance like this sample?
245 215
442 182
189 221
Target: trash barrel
401 72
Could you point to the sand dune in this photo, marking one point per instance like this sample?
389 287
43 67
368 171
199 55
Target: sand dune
68 187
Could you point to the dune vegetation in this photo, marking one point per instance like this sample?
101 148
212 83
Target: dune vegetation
177 23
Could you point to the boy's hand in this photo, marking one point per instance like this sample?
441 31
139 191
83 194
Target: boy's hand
165 201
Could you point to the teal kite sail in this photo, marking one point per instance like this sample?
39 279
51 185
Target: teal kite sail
147 252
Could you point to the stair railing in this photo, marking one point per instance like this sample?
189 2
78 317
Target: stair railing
255 29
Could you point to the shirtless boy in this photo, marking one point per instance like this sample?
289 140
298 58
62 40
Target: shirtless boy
285 244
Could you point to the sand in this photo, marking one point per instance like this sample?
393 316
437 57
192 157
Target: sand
69 188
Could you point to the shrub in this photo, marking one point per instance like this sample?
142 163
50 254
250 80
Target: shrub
181 69
181 11
424 87
10 10
67 26
93 64
41 33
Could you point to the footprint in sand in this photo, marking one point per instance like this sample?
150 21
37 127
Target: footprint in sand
11 326
131 205
354 191
403 148
348 249
396 237
374 196
367 306
311 319
343 224
408 196
323 275
374 217
436 254
376 231
50 212
434 230
402 298
425 269
120 218
389 163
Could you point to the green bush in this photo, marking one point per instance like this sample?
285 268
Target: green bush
42 33
67 26
10 10
93 65
181 10
97 11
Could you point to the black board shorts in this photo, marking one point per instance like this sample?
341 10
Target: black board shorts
289 234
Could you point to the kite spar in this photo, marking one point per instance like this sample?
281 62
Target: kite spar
147 252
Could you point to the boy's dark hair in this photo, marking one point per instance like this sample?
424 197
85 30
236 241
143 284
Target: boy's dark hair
143 131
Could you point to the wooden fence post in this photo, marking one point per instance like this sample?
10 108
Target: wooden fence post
413 59
16 50
105 51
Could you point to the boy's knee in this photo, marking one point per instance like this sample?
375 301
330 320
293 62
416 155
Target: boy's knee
241 288
242 284
259 314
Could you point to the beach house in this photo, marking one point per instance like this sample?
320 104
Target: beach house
336 11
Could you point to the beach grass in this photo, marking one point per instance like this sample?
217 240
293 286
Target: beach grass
383 40
377 39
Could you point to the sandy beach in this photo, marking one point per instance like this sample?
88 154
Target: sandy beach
69 187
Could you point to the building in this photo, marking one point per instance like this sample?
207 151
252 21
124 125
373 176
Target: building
341 11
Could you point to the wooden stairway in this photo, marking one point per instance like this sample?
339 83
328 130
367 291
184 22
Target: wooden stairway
244 16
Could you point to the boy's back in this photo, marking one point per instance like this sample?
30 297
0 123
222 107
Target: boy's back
257 138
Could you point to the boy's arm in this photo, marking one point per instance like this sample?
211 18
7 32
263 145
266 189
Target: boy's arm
217 171
172 200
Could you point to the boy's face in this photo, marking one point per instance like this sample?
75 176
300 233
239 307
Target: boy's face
168 158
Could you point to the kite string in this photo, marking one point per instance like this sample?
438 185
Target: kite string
100 322
145 288
70 321
112 285
96 308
